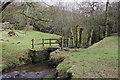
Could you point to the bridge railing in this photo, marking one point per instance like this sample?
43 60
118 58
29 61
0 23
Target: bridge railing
50 42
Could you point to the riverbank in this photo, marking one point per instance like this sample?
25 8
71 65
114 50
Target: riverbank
34 70
32 56
97 61
15 49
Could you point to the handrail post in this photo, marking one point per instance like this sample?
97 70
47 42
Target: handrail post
67 42
61 43
50 42
43 42
32 43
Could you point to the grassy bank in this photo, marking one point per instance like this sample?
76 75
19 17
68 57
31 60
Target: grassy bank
98 61
15 47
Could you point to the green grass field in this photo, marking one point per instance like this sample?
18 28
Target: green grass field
97 61
16 46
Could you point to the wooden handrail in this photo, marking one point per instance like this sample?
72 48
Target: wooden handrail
45 43
54 39
50 42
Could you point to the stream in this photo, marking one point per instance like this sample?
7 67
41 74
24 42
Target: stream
36 70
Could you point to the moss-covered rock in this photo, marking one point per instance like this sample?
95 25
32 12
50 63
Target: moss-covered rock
58 57
37 55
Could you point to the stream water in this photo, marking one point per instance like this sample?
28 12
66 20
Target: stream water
36 70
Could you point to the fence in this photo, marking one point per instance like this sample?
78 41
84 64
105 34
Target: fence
57 41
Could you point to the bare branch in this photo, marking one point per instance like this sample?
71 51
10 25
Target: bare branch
31 17
77 3
5 5
47 4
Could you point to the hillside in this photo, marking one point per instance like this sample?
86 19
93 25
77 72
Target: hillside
98 61
107 43
16 46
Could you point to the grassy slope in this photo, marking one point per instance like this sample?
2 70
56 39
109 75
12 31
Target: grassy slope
100 60
11 51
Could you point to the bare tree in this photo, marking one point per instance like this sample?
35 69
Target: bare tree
106 19
4 5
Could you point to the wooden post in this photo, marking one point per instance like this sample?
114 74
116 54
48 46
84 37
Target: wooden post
61 43
32 43
67 42
43 42
50 42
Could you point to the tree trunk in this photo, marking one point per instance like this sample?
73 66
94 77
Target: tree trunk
99 30
27 12
73 43
108 31
76 37
106 19
2 7
118 30
90 38
80 36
